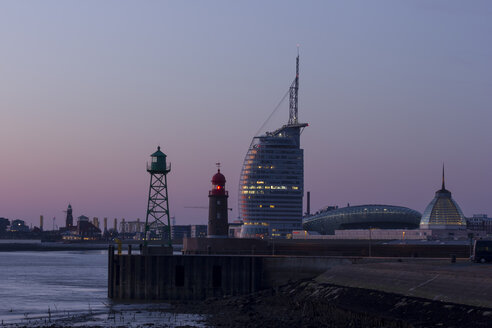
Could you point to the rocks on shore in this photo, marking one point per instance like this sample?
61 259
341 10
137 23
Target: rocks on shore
312 304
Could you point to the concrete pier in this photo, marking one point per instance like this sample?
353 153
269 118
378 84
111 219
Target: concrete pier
155 275
168 277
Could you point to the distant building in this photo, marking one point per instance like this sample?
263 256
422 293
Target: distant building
84 230
180 231
82 218
198 230
88 231
132 227
480 222
18 226
331 218
443 212
4 223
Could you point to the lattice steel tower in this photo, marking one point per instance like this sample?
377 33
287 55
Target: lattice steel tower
157 218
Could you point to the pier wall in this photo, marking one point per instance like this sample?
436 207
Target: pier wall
168 277
157 276
300 247
197 277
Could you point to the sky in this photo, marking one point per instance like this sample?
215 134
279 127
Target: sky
391 90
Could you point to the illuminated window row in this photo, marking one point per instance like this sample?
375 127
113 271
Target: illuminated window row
256 223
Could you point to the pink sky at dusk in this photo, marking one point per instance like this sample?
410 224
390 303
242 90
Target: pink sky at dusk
391 90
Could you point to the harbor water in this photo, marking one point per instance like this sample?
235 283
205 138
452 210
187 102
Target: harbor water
70 287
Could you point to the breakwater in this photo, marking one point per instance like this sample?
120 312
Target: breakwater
168 277
153 276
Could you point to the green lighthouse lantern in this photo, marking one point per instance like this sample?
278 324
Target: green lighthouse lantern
158 163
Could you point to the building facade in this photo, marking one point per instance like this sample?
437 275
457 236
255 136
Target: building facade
180 231
198 230
480 222
272 179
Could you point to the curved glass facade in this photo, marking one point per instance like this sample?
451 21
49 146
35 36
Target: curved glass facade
443 213
272 184
362 217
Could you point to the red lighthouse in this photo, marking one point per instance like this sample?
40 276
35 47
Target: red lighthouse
218 225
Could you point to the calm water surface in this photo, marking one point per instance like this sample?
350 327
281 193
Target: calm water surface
69 288
33 283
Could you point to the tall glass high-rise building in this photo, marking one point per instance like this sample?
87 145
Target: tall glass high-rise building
272 178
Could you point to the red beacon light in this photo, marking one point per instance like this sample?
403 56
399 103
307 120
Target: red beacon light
218 183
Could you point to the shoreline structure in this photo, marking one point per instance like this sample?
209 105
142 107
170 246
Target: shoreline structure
390 295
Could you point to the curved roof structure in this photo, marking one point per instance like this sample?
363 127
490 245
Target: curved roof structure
362 217
443 212
218 178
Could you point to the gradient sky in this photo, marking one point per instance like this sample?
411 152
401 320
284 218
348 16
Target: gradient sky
391 90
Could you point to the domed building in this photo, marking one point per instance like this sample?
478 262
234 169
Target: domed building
329 219
443 212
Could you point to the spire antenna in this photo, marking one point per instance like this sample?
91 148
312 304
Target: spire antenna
443 184
293 95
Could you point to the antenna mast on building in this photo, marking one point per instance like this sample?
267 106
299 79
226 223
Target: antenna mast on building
157 217
293 96
443 184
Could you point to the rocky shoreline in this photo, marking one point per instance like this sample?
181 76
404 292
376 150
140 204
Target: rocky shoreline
305 303
312 304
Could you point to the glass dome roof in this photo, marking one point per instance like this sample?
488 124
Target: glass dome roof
443 212
362 217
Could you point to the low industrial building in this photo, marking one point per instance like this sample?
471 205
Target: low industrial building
84 230
368 234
